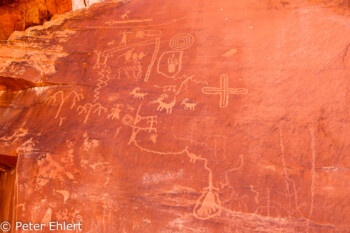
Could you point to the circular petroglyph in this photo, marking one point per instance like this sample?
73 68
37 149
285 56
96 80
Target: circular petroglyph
127 120
181 41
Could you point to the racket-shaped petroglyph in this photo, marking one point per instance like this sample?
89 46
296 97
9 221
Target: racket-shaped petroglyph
224 91
136 94
60 97
88 108
208 205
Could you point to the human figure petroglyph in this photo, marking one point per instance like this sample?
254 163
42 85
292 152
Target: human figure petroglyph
224 91
136 94
115 113
52 100
188 105
124 38
168 107
87 108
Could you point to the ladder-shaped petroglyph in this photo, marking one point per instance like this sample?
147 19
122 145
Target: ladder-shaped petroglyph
136 94
59 95
224 91
87 108
149 123
153 59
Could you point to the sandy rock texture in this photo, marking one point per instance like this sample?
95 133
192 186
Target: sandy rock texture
17 15
164 116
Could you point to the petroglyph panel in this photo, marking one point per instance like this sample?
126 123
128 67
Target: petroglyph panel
214 116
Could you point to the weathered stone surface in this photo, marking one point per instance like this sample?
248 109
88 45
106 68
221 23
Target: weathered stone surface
214 116
17 15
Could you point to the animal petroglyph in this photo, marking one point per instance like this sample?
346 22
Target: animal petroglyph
168 107
60 95
169 64
19 133
181 41
188 105
136 94
224 91
125 15
87 108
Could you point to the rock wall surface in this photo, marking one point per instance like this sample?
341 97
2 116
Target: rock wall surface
17 15
164 116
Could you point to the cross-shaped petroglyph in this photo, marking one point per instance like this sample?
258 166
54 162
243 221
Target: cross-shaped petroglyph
224 91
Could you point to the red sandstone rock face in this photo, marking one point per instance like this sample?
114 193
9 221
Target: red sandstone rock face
214 116
17 15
